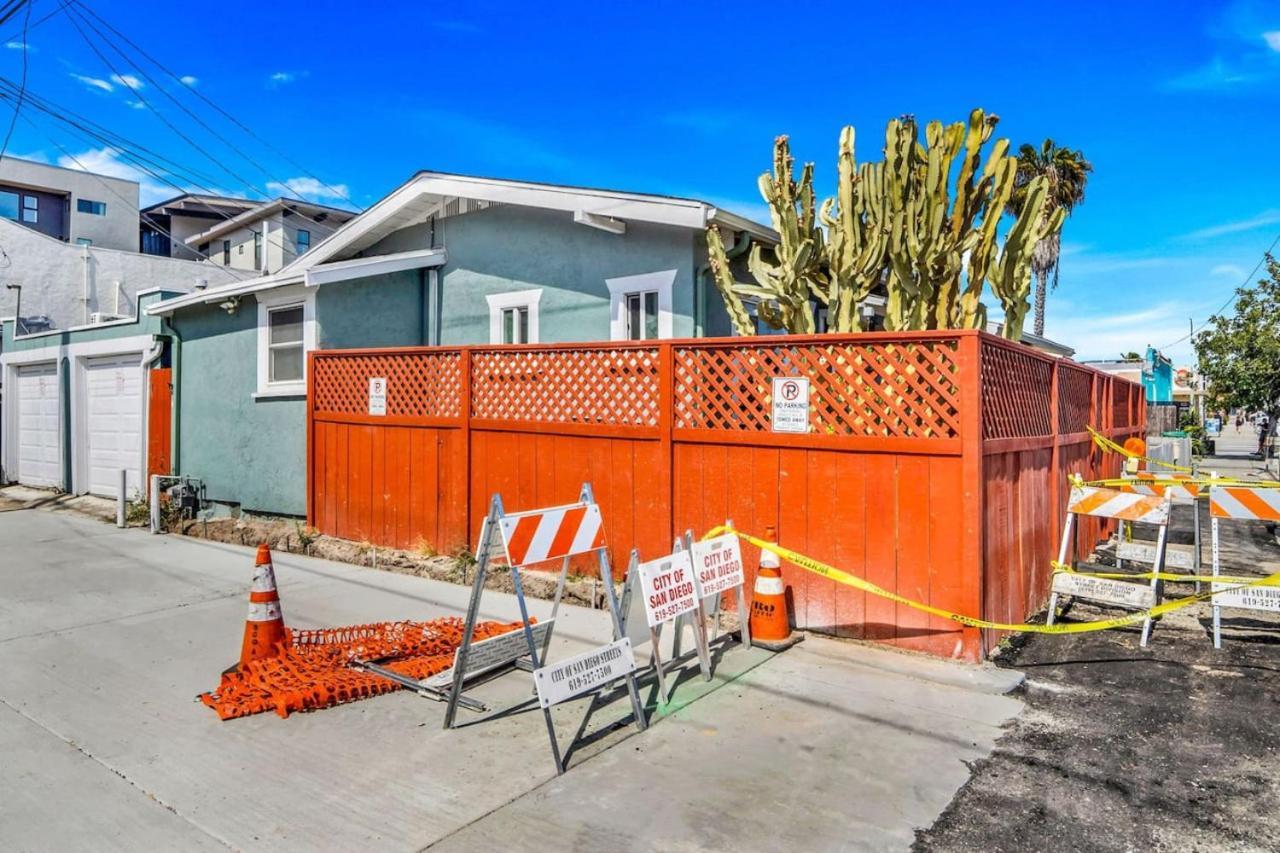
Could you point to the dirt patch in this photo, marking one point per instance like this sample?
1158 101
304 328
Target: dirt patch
1172 747
288 535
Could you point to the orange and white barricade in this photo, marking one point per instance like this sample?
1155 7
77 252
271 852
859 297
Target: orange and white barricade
1122 506
1184 489
528 538
1241 503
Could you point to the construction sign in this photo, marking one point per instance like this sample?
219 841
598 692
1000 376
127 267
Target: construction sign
667 587
718 564
539 536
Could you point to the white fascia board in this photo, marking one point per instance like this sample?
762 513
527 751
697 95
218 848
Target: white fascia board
217 294
371 266
685 213
740 223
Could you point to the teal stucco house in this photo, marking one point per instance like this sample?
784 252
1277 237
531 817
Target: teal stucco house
443 260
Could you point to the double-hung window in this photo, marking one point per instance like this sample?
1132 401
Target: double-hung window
303 241
286 333
257 250
515 325
513 317
642 315
226 253
640 306
284 344
30 208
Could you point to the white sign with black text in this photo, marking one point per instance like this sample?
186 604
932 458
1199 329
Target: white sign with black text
717 565
377 395
667 587
790 404
562 680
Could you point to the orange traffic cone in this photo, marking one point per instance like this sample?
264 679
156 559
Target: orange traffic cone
770 621
264 632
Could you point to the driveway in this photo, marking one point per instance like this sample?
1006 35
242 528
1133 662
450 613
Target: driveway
106 637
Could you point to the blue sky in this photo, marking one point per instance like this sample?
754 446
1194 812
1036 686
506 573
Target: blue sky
1174 102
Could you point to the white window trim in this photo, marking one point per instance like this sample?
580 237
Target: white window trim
620 288
515 299
285 297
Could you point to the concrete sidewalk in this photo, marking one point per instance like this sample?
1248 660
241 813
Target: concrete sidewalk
106 636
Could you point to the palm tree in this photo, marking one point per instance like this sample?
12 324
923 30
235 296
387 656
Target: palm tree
1067 171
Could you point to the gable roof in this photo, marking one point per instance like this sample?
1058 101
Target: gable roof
426 193
316 212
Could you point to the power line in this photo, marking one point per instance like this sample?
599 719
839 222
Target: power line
337 193
22 91
1235 294
137 93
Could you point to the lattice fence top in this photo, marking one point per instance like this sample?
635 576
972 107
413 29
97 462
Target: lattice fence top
900 390
1075 403
1017 391
419 384
617 386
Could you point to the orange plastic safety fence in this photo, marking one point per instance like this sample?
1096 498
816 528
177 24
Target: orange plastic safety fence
313 671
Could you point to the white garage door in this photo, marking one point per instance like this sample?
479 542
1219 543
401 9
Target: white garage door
113 423
39 444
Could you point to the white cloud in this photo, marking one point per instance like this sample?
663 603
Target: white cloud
1272 39
136 105
281 78
310 189
19 45
1105 335
127 80
1228 271
108 161
188 80
94 83
1266 217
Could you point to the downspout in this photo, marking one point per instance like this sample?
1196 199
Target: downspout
84 256
422 307
739 247
433 296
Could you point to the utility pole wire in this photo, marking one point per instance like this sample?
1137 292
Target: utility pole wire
337 193
22 90
1234 294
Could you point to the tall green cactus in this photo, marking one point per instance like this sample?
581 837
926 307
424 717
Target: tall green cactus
895 222
789 274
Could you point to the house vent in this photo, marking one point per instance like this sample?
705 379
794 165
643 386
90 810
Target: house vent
458 206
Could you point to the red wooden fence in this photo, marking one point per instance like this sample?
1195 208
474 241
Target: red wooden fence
935 462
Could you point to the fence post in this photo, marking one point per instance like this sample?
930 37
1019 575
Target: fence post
1055 460
666 422
464 436
311 427
969 359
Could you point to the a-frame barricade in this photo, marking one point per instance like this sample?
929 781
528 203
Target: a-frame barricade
1240 503
1185 490
1124 507
541 536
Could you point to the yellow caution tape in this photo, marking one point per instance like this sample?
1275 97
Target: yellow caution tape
1110 446
1107 444
842 577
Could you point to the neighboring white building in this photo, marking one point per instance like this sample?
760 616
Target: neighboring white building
262 239
69 205
64 284
166 226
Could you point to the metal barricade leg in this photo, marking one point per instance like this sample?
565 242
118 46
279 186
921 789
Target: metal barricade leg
1217 610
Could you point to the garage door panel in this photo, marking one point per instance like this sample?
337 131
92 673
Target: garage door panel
38 422
113 423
